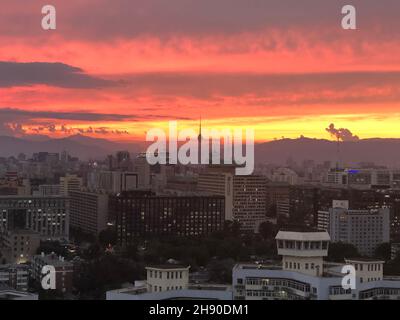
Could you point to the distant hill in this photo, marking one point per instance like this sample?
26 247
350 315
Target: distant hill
379 151
78 145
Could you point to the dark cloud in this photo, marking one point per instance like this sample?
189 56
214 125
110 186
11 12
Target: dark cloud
12 121
10 113
102 19
51 74
17 129
308 88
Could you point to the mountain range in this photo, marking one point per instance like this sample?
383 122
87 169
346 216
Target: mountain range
380 151
78 145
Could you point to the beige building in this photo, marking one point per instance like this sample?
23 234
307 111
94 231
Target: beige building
245 196
166 278
71 182
367 270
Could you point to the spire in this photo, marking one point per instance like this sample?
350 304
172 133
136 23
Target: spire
199 142
200 130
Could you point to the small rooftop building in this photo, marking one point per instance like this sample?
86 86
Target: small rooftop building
303 251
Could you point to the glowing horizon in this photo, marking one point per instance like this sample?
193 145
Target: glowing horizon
277 67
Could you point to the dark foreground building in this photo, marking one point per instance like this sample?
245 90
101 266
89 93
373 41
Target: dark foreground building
142 214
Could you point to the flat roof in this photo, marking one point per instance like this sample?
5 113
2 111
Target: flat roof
168 266
364 260
303 236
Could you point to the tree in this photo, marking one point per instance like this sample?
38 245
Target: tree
392 268
383 252
267 230
338 251
107 237
52 247
221 270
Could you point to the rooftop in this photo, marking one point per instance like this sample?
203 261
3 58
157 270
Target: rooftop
168 267
366 260
303 236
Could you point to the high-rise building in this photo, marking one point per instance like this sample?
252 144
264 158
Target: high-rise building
365 229
143 168
88 211
47 190
49 216
220 184
113 181
144 214
71 182
245 196
249 201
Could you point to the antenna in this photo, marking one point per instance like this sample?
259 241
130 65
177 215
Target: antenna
200 130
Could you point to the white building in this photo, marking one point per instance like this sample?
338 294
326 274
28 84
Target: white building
364 178
170 282
168 277
365 229
297 282
303 251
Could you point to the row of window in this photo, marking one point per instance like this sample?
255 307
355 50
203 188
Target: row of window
169 274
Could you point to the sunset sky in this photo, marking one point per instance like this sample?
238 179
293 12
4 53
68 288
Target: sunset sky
117 68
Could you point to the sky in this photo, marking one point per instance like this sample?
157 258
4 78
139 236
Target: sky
116 69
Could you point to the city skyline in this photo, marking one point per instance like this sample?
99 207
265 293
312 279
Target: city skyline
284 68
